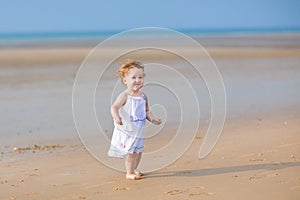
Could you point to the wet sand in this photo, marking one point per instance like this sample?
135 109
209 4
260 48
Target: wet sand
256 157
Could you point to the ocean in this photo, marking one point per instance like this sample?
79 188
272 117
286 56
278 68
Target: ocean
92 38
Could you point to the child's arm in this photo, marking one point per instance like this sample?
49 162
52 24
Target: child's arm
149 115
120 101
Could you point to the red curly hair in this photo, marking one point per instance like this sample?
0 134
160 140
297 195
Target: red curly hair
127 65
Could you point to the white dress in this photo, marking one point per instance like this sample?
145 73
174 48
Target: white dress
129 137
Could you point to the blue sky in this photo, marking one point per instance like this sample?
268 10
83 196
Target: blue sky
96 15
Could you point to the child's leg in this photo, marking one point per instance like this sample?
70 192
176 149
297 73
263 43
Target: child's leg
130 164
137 162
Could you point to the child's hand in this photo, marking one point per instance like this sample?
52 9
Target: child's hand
118 120
156 121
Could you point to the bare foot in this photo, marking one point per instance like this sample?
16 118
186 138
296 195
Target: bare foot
138 173
132 177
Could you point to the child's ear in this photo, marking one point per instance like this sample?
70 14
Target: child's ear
124 80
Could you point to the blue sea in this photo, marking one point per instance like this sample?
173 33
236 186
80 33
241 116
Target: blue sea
88 38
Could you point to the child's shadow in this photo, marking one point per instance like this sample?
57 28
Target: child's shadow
223 170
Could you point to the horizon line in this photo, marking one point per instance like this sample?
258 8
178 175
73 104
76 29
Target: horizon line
191 31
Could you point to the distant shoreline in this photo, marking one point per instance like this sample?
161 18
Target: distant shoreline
73 50
265 39
107 33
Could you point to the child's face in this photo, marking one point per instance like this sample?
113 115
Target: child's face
134 79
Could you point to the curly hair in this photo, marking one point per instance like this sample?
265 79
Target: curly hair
127 65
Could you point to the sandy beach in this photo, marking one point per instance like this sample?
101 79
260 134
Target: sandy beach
256 157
